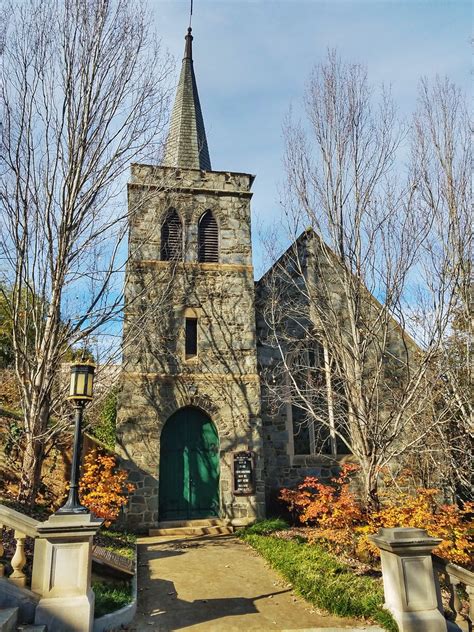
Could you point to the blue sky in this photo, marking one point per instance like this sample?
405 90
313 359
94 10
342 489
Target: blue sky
253 57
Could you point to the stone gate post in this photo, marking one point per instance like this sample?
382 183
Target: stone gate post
62 572
408 579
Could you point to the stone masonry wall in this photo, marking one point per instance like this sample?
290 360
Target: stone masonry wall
157 379
283 468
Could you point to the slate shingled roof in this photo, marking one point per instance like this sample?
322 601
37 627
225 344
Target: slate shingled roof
186 146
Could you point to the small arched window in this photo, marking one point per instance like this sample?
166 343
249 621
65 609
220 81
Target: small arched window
172 237
208 239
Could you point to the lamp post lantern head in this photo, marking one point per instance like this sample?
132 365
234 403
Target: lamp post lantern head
82 382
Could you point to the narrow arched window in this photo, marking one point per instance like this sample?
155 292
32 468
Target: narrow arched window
208 239
172 237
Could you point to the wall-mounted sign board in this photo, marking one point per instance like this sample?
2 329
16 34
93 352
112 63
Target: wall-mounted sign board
244 473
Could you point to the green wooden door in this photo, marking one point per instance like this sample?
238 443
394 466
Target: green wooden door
189 467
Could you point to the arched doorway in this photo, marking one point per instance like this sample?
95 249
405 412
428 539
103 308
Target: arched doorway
189 467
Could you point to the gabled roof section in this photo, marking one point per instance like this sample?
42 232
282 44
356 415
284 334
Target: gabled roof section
186 146
301 242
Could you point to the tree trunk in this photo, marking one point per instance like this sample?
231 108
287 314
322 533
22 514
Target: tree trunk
31 471
30 477
370 481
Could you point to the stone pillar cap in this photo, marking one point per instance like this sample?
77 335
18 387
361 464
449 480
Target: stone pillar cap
403 537
62 523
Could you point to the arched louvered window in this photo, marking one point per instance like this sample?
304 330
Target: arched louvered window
208 239
172 237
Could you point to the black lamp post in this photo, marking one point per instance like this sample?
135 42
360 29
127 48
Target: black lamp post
80 392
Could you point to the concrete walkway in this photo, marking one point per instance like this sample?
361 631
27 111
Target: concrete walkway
219 584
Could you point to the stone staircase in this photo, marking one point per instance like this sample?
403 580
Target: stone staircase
213 526
9 622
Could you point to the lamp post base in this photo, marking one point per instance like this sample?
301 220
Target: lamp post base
65 509
73 504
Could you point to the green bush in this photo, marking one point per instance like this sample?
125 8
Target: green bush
111 596
264 527
324 581
104 429
119 542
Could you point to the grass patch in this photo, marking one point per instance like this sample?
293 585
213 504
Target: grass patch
118 542
111 596
322 580
264 527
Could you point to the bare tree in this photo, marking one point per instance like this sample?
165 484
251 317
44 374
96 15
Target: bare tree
442 158
83 94
338 306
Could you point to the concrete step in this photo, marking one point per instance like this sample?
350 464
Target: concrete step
8 619
193 530
203 522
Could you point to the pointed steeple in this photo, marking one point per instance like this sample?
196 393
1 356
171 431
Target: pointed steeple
186 146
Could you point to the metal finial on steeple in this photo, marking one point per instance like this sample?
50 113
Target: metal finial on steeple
188 48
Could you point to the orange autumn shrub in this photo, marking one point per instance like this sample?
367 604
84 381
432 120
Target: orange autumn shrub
325 505
103 488
344 524
421 509
332 508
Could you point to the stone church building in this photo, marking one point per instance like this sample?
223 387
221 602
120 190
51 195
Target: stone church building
192 427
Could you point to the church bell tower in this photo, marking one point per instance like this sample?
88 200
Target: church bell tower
189 427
